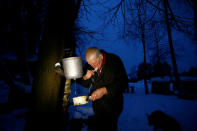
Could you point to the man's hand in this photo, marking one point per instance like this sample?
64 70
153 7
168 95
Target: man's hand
88 74
99 93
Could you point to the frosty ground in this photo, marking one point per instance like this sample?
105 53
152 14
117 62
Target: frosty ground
134 116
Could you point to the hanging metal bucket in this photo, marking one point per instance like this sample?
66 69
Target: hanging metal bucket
73 68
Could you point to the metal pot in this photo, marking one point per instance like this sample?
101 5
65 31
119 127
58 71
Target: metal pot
73 68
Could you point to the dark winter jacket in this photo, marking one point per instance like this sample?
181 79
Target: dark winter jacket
114 78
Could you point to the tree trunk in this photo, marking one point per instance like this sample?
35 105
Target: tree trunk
45 112
176 75
21 48
195 17
157 47
47 83
145 65
46 86
142 29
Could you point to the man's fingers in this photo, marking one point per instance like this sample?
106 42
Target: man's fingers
91 72
97 94
93 97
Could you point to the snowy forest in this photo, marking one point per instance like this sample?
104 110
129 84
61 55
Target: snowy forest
156 40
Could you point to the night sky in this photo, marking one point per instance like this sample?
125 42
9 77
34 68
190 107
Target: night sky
130 49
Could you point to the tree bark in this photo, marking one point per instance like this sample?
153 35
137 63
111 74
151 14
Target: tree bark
145 65
45 112
21 48
195 17
176 74
142 29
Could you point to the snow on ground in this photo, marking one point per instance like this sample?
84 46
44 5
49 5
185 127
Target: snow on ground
15 120
133 117
137 105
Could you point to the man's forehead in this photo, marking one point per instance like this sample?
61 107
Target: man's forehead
91 57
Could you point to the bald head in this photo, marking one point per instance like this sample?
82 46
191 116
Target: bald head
94 57
92 52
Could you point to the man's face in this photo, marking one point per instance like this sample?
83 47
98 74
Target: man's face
94 61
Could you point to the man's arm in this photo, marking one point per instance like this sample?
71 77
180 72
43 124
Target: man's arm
115 81
86 79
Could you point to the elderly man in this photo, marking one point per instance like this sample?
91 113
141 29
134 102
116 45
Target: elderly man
107 74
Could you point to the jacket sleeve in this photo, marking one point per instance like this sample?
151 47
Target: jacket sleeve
85 83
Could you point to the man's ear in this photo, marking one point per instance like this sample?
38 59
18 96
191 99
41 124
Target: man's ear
101 56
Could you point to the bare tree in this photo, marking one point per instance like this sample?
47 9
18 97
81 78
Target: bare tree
141 14
177 79
193 4
58 35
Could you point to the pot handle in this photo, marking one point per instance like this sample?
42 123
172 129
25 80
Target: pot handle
58 69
